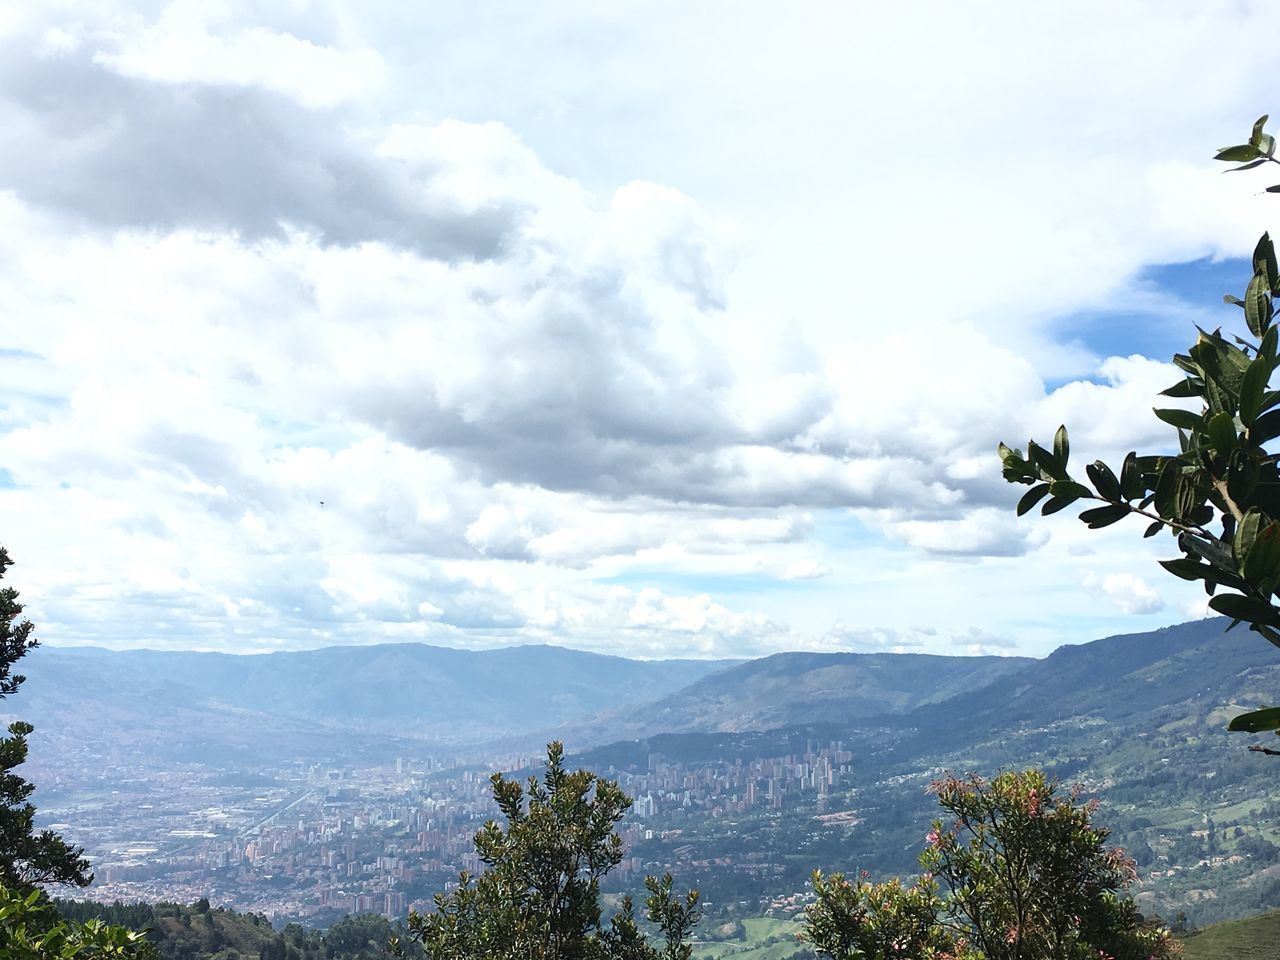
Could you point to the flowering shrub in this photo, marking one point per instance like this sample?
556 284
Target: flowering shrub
1014 870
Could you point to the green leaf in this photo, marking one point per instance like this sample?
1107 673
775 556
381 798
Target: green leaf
1032 497
1104 481
1223 366
1265 427
1245 609
1054 504
1238 154
1222 432
1047 462
1061 445
1249 166
1069 488
1256 135
1268 346
1131 477
1257 721
1152 529
1257 304
1261 566
1252 387
1264 261
1189 387
1188 569
1181 418
1186 497
1246 533
1166 488
1274 188
1100 517
1234 301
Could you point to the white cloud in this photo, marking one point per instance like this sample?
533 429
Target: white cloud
668 311
985 532
180 48
1129 593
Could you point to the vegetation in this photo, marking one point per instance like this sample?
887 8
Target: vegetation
29 928
756 938
539 899
1252 939
27 857
200 931
1020 872
1220 495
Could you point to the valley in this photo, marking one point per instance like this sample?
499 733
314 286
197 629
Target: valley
824 765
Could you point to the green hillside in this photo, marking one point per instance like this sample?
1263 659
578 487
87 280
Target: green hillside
198 932
759 938
1257 938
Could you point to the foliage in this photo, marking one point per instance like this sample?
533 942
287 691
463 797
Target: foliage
27 858
200 931
539 899
31 930
1219 496
876 920
1019 873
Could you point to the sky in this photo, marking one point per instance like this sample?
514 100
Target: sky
658 329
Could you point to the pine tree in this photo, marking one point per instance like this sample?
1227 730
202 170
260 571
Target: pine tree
28 857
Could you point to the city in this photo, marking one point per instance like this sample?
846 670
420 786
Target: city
312 843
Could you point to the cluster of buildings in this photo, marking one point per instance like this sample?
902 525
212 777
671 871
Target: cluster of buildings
736 786
314 843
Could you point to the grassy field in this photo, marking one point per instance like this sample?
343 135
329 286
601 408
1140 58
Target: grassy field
766 939
1256 938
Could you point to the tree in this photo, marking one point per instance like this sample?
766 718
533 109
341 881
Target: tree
27 857
31 930
539 898
1219 495
1018 872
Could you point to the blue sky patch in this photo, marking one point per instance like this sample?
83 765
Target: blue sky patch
1156 317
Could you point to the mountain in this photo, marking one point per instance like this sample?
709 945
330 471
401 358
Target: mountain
1255 938
1194 667
1138 720
790 689
326 703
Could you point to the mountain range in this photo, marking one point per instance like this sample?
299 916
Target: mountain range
384 699
1140 719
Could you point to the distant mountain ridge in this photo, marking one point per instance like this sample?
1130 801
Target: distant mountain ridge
788 689
383 699
1118 678
404 690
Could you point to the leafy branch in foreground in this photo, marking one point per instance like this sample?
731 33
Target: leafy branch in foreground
31 930
1219 496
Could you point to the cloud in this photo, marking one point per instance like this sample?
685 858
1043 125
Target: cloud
978 642
985 532
123 152
318 338
845 636
1131 594
179 48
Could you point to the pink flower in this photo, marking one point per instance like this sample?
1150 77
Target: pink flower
932 838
